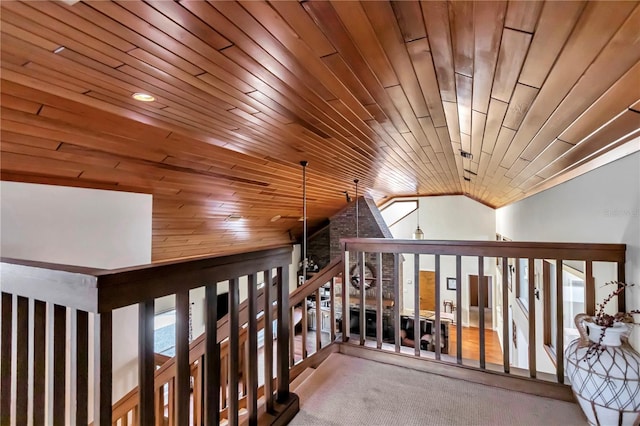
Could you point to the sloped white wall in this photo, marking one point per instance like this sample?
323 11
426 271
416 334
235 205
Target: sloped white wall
601 206
83 227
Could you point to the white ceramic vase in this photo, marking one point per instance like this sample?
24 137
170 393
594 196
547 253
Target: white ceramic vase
604 374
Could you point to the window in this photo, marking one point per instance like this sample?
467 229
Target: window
522 287
164 336
395 211
573 298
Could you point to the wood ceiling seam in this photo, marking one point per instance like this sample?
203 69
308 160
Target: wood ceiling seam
316 112
462 38
595 27
487 42
410 22
381 17
267 50
59 32
298 19
341 39
302 53
360 31
436 19
523 16
600 75
556 23
422 62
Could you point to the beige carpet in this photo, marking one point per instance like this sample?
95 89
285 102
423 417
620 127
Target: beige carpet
346 390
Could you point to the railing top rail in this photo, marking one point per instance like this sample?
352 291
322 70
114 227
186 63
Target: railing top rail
115 288
514 249
318 280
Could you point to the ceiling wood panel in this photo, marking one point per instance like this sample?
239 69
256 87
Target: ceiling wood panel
384 92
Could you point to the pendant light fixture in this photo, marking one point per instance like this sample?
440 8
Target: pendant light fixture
304 220
418 234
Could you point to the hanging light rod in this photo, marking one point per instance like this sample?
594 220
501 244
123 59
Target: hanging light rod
357 211
304 220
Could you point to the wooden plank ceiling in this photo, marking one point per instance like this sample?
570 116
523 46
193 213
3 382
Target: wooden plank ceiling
385 92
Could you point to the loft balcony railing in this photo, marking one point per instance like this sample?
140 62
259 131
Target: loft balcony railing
359 251
215 377
32 292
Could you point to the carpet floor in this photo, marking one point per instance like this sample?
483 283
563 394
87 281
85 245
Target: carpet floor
346 390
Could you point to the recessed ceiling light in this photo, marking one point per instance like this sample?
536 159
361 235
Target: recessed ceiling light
276 218
59 49
143 97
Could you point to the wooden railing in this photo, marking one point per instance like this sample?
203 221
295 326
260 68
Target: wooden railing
125 410
56 291
531 254
208 361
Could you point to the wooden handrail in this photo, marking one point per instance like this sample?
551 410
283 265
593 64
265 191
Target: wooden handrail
317 281
167 370
514 249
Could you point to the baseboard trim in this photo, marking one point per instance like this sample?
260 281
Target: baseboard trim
490 378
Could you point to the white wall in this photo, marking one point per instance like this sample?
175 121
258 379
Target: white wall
84 227
447 218
602 206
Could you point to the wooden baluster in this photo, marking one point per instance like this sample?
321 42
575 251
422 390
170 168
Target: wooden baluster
224 375
292 333
125 420
135 416
182 384
159 406
197 392
283 334
104 379
622 306
146 362
212 359
363 304
505 314
346 329
22 361
172 402
268 341
590 289
82 367
5 376
459 309
39 363
481 291
318 320
304 327
332 309
379 291
532 319
559 323
234 350
396 301
59 364
437 335
252 348
417 327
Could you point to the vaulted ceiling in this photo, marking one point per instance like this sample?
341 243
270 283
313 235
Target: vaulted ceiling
389 93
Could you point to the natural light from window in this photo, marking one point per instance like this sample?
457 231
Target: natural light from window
398 210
